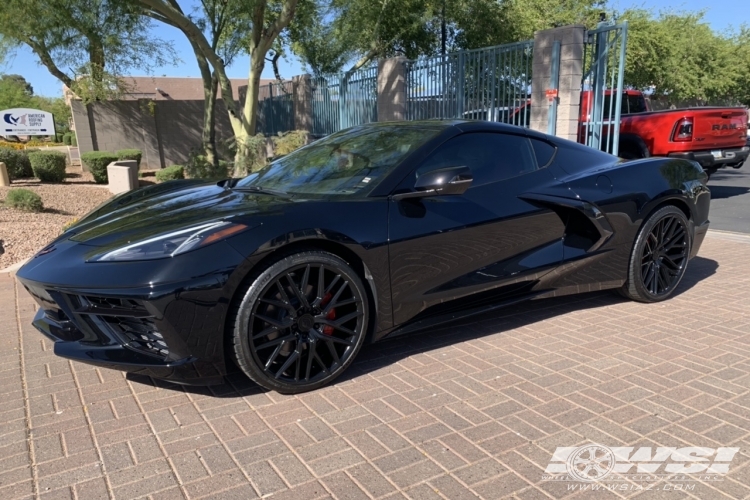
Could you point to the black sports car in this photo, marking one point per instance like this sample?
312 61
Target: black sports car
372 232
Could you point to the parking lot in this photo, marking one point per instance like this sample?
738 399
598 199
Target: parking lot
730 199
476 408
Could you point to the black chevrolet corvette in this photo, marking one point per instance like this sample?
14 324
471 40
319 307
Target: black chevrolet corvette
372 232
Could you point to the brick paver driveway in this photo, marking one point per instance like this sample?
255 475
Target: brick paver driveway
474 409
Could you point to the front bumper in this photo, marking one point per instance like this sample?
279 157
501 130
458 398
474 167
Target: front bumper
173 334
729 157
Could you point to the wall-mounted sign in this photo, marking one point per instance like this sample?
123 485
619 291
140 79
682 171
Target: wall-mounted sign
22 121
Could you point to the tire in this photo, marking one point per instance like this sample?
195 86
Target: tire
295 333
655 273
630 153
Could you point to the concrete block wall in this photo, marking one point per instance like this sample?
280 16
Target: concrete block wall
571 40
166 136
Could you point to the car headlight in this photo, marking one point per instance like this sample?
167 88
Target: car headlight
172 243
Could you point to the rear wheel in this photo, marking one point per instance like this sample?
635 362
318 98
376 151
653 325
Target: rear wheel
659 257
301 322
628 152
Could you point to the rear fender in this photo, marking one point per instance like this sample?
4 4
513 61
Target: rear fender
635 188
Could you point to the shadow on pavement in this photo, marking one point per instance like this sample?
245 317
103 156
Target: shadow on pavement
721 192
389 351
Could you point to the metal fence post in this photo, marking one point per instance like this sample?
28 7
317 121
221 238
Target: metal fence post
600 73
554 84
343 108
620 83
269 111
460 84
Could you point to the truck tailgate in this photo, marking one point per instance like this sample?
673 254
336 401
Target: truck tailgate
720 127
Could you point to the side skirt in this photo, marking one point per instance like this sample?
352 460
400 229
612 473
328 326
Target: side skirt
442 319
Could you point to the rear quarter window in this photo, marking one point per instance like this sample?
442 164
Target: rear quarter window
544 152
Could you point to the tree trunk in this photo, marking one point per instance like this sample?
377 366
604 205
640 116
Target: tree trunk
209 122
244 156
210 89
96 61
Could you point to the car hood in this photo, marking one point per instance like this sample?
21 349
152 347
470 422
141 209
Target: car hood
162 208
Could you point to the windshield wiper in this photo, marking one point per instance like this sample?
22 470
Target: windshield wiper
262 190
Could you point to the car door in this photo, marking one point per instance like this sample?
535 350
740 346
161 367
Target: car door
486 243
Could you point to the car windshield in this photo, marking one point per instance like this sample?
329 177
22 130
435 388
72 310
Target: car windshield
345 163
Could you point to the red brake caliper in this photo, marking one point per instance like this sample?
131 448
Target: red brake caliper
328 329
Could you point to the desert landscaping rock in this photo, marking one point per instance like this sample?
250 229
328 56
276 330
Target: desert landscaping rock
23 233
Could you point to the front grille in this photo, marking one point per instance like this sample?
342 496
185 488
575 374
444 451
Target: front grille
113 304
141 334
128 321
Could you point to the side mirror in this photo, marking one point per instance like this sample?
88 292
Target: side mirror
451 180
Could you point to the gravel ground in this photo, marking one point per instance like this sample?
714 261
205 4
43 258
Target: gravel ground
23 233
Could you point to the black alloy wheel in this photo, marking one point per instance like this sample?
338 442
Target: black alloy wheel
301 322
660 256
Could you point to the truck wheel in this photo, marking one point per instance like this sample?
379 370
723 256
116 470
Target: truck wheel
630 153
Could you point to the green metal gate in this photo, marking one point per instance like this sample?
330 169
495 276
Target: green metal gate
491 84
344 100
276 108
603 86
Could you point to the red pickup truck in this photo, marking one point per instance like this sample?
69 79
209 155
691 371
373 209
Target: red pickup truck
715 137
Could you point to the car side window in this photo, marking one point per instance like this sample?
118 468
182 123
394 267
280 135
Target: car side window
491 156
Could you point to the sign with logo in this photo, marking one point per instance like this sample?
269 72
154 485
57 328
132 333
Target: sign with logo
595 466
23 121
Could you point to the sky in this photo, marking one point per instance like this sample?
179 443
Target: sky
720 14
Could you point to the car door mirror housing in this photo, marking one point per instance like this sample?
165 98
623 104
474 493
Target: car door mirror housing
444 181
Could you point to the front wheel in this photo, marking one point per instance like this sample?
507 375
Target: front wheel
301 322
659 257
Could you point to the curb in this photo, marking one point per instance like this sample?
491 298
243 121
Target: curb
729 235
14 267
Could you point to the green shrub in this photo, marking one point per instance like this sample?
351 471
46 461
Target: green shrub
97 162
130 154
286 142
24 199
66 138
73 140
171 173
59 137
48 166
17 163
11 158
23 168
198 167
